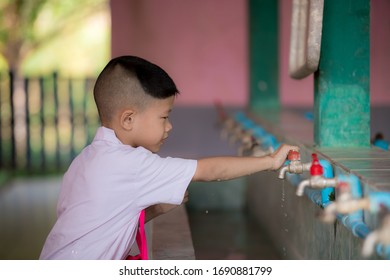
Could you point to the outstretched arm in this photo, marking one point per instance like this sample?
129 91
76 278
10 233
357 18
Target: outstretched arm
226 168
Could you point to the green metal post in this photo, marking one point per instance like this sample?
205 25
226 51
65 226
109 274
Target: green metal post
263 54
341 94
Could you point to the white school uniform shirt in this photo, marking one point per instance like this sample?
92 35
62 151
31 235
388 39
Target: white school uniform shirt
103 193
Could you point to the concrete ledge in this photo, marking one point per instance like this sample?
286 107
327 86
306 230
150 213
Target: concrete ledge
171 236
294 224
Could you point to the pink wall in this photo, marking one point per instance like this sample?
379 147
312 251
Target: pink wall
292 92
380 56
203 46
300 92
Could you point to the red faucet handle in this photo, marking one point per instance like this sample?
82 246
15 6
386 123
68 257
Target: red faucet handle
316 168
343 186
293 155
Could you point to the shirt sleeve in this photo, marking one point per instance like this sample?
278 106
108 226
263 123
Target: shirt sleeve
164 180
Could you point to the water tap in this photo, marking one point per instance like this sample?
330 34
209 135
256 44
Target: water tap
295 165
345 203
225 122
236 134
248 142
242 130
317 179
251 146
379 236
228 126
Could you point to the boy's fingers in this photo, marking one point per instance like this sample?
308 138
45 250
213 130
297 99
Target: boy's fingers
292 148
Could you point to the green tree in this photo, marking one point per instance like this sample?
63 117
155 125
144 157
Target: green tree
27 25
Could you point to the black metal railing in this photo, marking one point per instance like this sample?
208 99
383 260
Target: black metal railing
45 121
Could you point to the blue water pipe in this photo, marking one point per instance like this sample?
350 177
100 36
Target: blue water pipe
270 141
248 124
383 251
379 200
244 121
267 140
239 116
319 197
354 221
380 143
314 195
259 132
309 116
328 191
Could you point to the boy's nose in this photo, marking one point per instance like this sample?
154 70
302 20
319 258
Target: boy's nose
168 127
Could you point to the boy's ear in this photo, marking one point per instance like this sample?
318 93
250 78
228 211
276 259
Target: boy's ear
127 119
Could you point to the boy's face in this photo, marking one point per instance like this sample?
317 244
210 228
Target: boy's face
152 126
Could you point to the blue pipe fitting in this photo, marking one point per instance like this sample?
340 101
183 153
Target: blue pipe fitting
327 192
354 184
314 195
259 132
354 222
378 199
380 143
248 124
309 116
269 141
383 251
239 116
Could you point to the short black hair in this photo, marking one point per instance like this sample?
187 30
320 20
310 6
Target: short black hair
130 80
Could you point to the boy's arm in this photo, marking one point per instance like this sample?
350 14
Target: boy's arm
226 168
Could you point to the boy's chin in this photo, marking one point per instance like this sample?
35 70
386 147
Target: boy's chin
153 149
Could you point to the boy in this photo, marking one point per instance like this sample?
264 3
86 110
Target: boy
119 174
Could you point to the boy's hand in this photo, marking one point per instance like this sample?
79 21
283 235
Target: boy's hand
280 155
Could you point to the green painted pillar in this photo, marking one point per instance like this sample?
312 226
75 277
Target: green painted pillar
263 54
342 82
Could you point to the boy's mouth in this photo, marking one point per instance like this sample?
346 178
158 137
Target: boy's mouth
163 140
